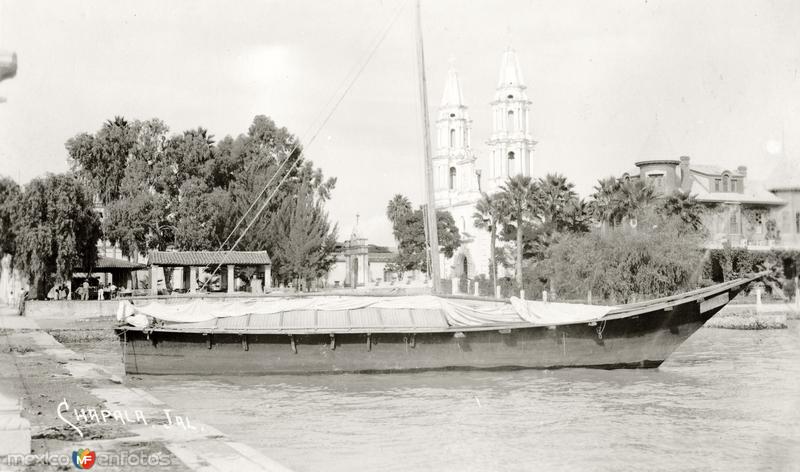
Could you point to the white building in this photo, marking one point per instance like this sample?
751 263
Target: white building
458 181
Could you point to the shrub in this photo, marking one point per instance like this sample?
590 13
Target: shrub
657 258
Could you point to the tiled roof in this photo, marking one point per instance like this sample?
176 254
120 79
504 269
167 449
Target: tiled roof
204 258
109 263
754 193
713 170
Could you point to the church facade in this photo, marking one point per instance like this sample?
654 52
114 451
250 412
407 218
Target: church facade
458 181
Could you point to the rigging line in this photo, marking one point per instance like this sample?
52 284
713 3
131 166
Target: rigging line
341 98
353 70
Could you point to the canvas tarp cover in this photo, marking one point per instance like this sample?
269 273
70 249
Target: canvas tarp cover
456 312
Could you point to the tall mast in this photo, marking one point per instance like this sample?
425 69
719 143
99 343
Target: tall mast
431 220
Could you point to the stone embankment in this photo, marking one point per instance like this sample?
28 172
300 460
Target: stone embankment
40 378
763 316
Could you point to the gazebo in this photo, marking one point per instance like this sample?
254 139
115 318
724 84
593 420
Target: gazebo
187 267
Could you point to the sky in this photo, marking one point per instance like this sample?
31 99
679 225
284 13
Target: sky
717 80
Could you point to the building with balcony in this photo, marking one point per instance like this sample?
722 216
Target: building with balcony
742 212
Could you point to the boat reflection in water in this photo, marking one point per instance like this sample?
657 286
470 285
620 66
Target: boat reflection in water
328 334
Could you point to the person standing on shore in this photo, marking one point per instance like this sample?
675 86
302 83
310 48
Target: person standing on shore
23 297
85 287
100 292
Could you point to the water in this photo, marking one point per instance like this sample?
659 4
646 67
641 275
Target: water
727 400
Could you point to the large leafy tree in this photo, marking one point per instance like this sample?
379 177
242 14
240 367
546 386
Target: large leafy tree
188 191
57 230
100 159
263 158
9 202
620 266
412 244
489 215
305 241
518 196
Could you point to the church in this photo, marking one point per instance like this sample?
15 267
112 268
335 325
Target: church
458 181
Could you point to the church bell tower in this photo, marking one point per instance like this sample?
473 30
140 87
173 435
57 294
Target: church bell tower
511 144
453 160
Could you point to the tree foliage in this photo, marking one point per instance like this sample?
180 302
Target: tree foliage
490 215
409 229
685 207
9 200
306 240
540 209
101 159
189 191
621 264
518 196
57 230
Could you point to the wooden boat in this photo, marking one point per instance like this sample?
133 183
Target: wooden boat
640 335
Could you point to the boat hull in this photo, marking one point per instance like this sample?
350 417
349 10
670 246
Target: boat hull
643 340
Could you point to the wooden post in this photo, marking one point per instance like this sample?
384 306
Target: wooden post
796 292
267 277
192 279
544 296
154 280
522 294
758 298
589 297
497 292
231 284
477 289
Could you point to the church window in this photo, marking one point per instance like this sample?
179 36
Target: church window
724 183
511 97
510 122
452 184
452 138
510 163
452 115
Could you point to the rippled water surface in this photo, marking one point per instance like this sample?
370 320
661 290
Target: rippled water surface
727 400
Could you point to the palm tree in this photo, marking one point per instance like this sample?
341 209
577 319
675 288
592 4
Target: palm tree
398 207
634 196
556 195
518 197
488 215
686 207
605 201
